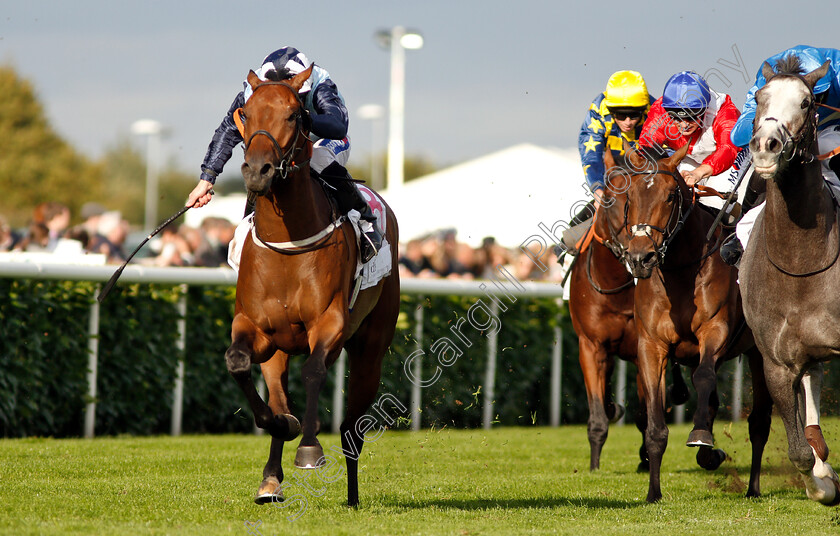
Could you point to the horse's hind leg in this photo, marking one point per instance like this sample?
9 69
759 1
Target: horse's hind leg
759 420
365 352
365 371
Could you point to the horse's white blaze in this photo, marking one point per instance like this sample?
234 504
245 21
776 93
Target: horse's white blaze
780 102
785 96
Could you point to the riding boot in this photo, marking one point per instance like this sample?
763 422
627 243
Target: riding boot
348 197
732 249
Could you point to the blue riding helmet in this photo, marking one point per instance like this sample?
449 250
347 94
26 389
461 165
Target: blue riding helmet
686 94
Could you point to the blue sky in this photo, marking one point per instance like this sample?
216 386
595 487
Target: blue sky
491 74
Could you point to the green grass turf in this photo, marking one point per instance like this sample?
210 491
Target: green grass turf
460 482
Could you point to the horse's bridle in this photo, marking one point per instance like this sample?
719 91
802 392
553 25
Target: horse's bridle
287 163
799 146
669 232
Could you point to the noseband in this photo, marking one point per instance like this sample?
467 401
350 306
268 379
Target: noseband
286 164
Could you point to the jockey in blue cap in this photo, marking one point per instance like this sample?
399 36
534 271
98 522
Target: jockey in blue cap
826 91
690 112
329 124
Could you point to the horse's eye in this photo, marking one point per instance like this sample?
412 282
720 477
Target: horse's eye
242 116
671 197
806 102
294 117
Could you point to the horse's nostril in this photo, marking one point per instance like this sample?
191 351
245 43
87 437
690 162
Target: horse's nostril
649 258
266 170
773 145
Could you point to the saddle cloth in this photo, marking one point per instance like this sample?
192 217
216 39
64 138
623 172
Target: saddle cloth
370 274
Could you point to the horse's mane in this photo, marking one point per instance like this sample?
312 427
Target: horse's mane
789 64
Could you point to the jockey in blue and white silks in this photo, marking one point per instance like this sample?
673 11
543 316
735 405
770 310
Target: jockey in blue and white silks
826 91
329 125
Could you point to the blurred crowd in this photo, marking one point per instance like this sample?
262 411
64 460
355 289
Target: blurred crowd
105 232
440 254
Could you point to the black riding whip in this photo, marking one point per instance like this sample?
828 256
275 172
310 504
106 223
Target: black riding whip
111 282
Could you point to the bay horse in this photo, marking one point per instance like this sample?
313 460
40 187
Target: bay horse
789 272
601 308
294 289
686 308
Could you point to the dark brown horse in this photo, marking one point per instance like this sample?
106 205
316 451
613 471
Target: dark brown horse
601 308
686 309
295 286
790 276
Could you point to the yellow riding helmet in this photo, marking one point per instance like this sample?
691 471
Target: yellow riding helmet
626 89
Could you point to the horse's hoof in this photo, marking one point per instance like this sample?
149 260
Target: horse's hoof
822 484
700 438
294 427
619 413
309 457
710 459
270 491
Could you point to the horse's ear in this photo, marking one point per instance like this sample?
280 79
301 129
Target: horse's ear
676 158
767 72
812 77
609 161
253 79
297 81
637 161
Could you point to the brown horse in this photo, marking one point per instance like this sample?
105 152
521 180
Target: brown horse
687 309
789 272
601 308
295 284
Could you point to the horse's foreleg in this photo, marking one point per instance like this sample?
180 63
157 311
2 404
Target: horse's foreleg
284 426
812 387
704 379
641 424
596 368
821 482
759 420
652 367
325 346
248 346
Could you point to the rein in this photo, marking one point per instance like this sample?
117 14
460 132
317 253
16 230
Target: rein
595 285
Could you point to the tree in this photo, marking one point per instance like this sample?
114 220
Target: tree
36 164
124 171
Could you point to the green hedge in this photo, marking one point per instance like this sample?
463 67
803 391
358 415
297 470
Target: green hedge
44 348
